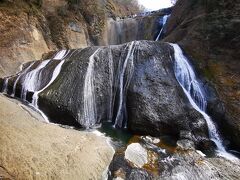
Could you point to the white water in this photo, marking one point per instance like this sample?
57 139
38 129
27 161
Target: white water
111 99
89 93
5 85
122 86
35 95
54 76
164 21
61 54
195 94
19 76
31 80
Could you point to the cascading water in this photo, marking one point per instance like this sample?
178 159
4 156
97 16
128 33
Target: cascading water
31 80
89 93
5 85
195 94
127 63
122 80
163 21
54 76
61 54
35 95
111 97
19 76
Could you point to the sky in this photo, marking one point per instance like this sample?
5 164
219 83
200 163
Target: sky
155 4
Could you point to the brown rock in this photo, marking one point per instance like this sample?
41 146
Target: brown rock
31 149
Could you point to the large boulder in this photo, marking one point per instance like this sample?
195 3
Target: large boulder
31 149
133 85
208 32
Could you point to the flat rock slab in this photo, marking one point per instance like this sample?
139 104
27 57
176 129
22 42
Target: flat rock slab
31 149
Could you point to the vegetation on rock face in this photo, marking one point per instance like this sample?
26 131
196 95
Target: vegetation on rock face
95 13
33 27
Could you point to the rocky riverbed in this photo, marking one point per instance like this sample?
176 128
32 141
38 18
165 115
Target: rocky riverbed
154 158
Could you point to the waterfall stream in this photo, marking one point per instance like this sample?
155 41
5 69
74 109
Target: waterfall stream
192 88
163 21
19 76
35 95
89 93
128 64
61 54
31 81
5 85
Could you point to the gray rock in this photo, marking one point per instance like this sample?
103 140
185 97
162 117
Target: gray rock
132 85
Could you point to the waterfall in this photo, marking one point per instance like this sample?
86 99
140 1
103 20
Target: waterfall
55 74
5 85
111 97
192 88
123 87
89 93
61 54
163 21
31 79
35 95
19 76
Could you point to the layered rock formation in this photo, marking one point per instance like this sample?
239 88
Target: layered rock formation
208 32
31 149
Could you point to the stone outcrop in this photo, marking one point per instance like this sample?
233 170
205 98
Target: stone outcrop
28 31
208 32
32 28
31 149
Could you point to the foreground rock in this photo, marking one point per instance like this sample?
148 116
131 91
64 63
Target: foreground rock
131 85
182 161
34 150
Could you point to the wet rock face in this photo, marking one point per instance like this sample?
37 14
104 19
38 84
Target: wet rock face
132 85
155 102
207 31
